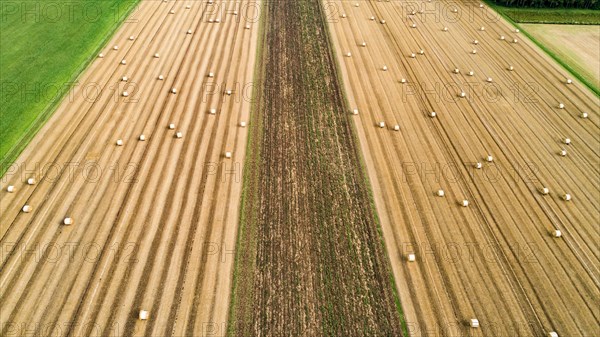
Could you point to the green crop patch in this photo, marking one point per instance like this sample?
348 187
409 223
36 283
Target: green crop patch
44 46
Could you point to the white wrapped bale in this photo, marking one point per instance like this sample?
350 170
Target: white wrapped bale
557 233
179 134
228 155
171 126
474 323
411 257
31 181
119 142
142 138
10 189
67 221
382 125
143 315
27 209
440 193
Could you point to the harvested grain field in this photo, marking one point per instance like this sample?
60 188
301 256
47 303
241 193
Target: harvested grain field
494 258
153 221
310 259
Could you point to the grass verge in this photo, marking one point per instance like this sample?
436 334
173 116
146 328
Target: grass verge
250 167
44 47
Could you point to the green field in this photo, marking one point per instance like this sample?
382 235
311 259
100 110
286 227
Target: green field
552 15
44 46
570 16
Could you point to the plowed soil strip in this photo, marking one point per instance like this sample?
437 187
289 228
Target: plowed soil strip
310 257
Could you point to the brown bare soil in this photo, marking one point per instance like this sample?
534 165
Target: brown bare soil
496 259
155 221
310 257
